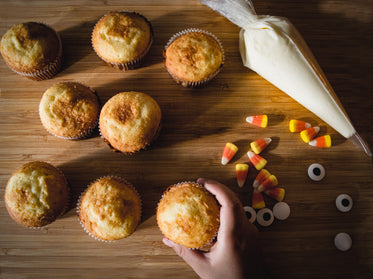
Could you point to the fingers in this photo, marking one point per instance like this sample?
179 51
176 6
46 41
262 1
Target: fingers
230 207
194 258
224 195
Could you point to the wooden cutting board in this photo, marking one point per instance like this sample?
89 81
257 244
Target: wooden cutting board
196 125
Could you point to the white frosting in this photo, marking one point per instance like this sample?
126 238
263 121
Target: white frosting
272 47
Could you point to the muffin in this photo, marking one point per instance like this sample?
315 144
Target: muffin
110 209
36 194
69 110
122 39
33 50
193 57
188 215
130 121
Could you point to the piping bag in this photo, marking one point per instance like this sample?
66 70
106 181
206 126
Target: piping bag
272 47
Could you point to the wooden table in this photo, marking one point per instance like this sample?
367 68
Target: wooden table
196 125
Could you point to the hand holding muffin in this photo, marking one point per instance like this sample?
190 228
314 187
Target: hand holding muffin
236 254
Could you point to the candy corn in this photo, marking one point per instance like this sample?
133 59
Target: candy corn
298 125
262 175
269 183
276 193
229 151
308 134
258 145
258 161
323 142
241 173
258 120
257 201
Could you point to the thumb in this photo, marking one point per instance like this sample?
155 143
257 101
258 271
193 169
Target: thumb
196 259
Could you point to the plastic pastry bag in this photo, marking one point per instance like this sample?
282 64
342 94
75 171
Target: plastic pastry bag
272 47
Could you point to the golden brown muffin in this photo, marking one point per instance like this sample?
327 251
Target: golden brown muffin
122 39
36 194
110 209
33 50
188 215
69 110
193 57
130 121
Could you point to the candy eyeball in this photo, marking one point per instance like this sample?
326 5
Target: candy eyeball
250 213
265 217
343 241
343 203
316 172
281 210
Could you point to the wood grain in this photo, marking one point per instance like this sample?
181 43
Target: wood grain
196 125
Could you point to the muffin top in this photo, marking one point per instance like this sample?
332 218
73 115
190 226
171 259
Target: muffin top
129 121
36 194
188 215
110 209
120 37
30 46
69 109
193 56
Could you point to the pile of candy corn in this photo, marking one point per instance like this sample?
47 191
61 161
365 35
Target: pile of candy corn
265 182
308 134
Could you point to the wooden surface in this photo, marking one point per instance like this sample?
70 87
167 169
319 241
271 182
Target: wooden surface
196 125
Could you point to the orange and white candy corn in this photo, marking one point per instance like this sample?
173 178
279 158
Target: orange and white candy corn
258 120
228 153
298 125
309 134
262 175
241 173
323 142
260 144
257 200
258 161
269 183
276 193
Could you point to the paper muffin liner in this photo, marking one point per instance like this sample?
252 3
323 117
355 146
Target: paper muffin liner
156 135
87 133
133 64
63 211
212 240
199 83
48 71
77 209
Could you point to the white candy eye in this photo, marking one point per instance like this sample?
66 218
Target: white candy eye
316 172
343 241
264 217
250 213
344 202
281 210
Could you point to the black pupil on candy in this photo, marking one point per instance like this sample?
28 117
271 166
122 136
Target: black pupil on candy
316 171
345 202
248 215
266 216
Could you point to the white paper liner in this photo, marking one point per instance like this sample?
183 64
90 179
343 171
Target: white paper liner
212 240
77 209
89 131
200 83
133 64
48 71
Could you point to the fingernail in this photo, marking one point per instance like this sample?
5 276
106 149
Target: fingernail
201 181
167 242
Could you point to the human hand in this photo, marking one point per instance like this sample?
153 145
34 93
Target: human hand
236 253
